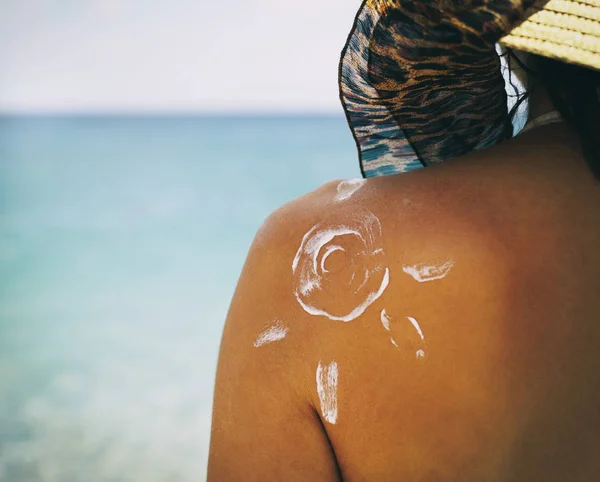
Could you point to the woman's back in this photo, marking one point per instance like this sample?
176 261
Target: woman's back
509 386
466 349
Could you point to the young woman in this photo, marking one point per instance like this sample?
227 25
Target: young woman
437 324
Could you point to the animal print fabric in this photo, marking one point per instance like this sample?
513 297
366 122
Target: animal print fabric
420 80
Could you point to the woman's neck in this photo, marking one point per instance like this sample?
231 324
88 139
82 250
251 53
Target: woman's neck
539 102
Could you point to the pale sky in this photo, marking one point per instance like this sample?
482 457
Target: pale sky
173 55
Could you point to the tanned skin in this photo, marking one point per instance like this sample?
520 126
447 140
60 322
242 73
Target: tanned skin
509 387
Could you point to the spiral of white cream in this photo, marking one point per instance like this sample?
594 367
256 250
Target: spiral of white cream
363 279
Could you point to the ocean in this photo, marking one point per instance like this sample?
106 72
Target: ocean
121 241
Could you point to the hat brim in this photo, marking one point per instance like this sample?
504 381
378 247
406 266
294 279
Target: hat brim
565 30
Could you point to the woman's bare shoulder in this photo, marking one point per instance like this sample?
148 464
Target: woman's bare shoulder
340 285
329 268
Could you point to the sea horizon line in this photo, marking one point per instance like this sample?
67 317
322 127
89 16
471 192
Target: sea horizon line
171 114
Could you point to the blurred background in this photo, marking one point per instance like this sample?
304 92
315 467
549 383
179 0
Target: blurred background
142 144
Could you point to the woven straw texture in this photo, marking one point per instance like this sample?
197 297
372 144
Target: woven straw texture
568 30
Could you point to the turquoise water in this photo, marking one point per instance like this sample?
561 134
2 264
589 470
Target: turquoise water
121 240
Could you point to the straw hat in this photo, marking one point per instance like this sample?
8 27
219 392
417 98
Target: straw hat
421 80
567 30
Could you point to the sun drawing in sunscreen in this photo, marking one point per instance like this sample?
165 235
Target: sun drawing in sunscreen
363 278
327 383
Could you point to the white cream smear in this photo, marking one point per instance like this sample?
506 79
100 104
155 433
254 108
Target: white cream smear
420 353
327 383
328 251
367 278
345 189
415 323
275 332
423 273
385 321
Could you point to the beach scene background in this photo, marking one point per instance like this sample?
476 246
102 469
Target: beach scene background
121 242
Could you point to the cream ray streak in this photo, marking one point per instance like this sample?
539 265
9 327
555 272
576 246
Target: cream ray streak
328 251
348 188
423 273
274 333
327 383
313 282
415 323
385 320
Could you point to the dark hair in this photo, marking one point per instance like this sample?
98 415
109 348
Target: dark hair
575 93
